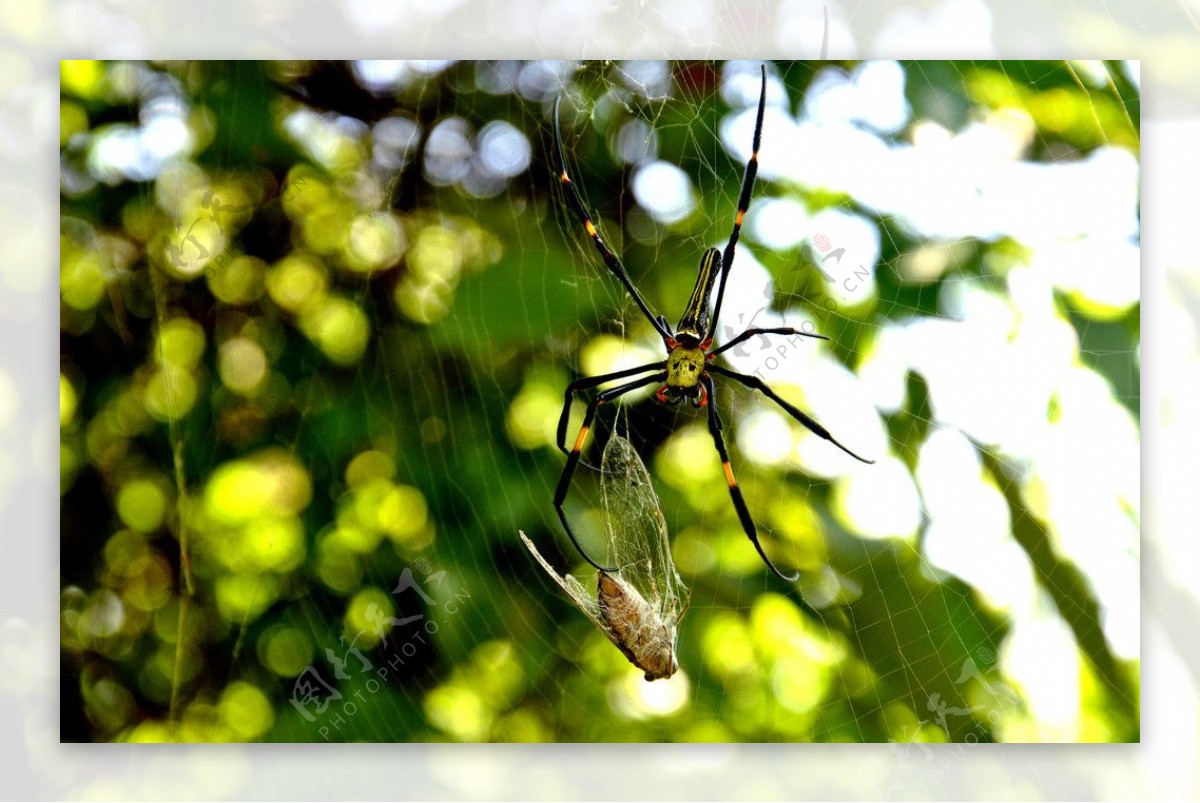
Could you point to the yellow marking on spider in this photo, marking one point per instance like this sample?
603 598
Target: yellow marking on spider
565 179
583 431
587 224
684 367
741 214
728 473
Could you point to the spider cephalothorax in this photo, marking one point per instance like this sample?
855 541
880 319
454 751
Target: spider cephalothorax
685 367
687 372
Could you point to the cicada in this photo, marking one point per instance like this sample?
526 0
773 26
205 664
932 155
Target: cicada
640 605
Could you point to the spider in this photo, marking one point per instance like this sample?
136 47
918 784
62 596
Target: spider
687 372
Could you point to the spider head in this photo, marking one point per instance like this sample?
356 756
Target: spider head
669 395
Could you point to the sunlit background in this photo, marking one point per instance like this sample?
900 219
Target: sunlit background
317 322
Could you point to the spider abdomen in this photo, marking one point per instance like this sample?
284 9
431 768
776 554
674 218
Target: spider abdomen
694 322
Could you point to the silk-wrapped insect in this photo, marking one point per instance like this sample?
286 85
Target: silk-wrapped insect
639 606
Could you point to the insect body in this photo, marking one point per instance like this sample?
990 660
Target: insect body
688 370
637 629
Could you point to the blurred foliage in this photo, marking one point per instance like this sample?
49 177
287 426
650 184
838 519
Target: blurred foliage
312 356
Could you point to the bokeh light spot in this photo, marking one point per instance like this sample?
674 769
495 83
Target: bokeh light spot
286 651
245 710
339 328
142 504
242 365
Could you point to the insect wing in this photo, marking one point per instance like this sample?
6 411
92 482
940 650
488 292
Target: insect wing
583 599
637 533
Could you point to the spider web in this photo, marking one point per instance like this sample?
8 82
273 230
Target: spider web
961 232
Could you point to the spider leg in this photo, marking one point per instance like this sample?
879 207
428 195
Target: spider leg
564 481
749 333
610 259
754 383
743 200
739 503
587 383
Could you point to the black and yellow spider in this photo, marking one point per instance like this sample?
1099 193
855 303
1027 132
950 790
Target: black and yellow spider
689 366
